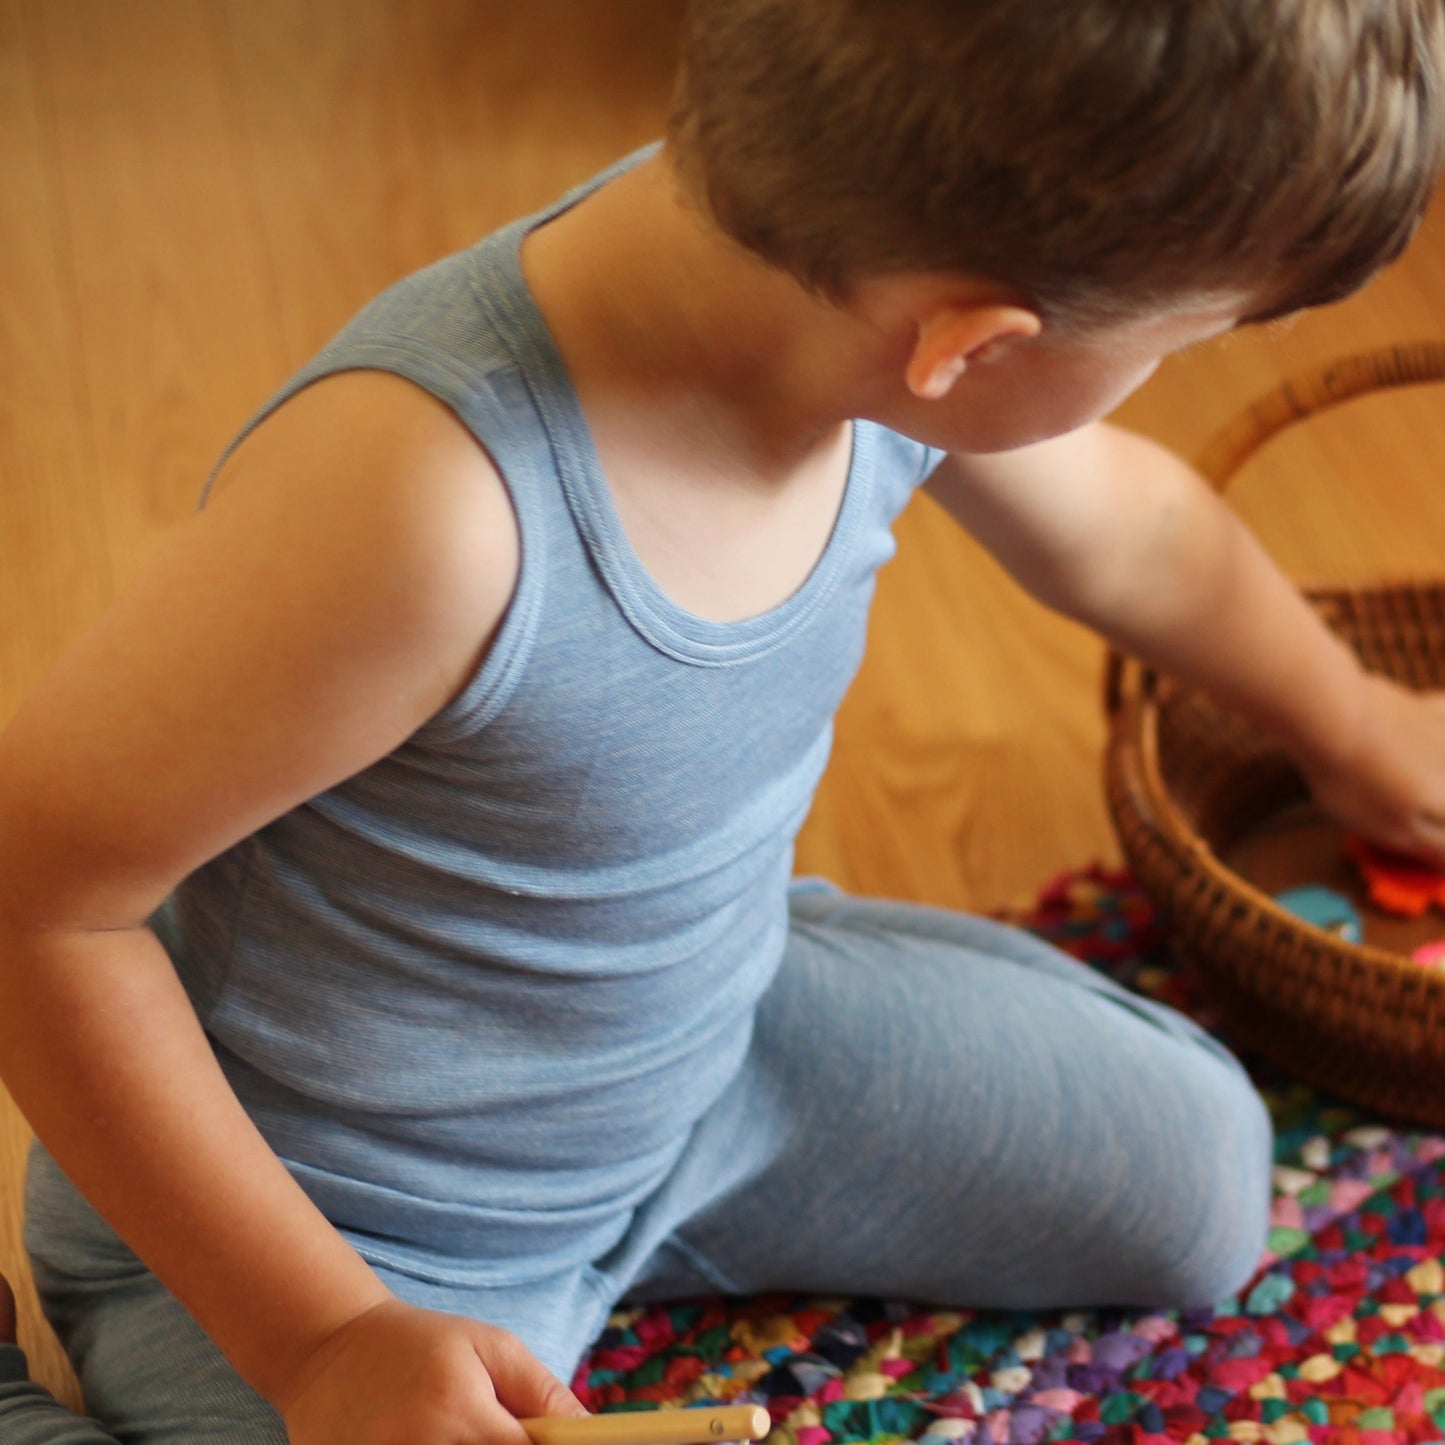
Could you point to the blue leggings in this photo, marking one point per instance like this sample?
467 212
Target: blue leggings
935 1107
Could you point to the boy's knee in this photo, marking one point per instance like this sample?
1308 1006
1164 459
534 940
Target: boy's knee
1216 1222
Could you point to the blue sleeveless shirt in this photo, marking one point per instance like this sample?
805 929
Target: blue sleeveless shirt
476 995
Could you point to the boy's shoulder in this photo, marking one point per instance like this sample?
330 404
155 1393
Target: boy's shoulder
337 591
404 508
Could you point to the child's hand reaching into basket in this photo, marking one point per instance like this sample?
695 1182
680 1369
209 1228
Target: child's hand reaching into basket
1388 784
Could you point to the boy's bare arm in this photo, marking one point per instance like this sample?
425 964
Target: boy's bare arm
1115 531
337 591
1120 534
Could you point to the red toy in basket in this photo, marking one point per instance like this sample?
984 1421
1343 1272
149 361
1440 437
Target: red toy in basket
1396 883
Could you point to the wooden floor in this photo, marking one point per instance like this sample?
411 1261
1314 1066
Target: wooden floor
194 194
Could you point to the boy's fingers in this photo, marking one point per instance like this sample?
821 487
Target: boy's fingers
523 1384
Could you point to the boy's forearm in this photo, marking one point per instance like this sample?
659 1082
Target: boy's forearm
1200 598
105 1057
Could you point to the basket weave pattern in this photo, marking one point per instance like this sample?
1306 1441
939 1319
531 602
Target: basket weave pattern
1187 779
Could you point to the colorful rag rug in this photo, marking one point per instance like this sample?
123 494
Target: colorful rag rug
1340 1336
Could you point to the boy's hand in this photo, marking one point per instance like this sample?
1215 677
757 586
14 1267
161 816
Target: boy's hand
1390 785
398 1375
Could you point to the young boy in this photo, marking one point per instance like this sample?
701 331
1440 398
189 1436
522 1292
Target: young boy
465 731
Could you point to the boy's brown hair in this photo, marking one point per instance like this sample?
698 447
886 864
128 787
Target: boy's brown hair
1100 158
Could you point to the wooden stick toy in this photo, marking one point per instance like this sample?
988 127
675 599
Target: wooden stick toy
652 1427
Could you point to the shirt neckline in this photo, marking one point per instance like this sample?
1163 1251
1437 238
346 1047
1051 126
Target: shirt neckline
652 612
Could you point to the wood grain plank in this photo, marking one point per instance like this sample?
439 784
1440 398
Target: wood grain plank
414 130
174 297
54 569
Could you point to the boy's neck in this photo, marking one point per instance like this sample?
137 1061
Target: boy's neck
659 314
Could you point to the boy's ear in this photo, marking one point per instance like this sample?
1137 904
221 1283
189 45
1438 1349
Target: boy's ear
954 337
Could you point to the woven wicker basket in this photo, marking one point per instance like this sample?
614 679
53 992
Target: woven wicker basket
1187 780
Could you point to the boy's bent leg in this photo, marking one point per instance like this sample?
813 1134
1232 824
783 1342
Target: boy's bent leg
152 1376
31 1415
944 1108
149 1373
185 1407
